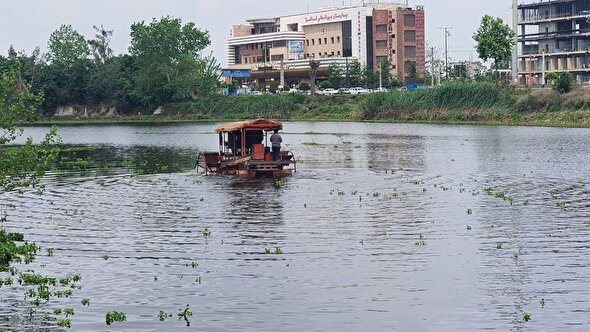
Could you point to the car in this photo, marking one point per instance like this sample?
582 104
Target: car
329 92
255 93
344 90
382 90
357 90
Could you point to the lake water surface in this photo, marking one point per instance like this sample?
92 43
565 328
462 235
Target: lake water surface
383 227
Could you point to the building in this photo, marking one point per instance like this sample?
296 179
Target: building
554 36
369 33
467 69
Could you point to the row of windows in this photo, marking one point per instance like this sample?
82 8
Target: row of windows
312 55
333 40
278 43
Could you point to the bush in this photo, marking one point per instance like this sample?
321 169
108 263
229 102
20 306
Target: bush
564 83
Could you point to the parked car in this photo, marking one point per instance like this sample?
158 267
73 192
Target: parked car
381 90
344 90
256 93
329 91
357 90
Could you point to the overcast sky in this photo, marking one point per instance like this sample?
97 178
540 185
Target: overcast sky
28 23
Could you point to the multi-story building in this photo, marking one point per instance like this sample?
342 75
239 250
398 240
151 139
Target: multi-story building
554 36
369 33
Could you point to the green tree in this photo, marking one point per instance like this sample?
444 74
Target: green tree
335 75
355 74
385 72
494 40
564 83
167 55
66 46
303 86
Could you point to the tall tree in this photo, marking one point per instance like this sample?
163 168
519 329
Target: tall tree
314 65
167 54
66 46
100 45
494 40
355 74
335 75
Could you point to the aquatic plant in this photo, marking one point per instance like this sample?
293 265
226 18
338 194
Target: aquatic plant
526 316
64 322
526 202
163 315
85 302
420 243
278 250
266 251
185 314
469 211
206 232
105 257
115 316
468 227
280 183
499 245
542 302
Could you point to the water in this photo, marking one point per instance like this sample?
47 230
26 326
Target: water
374 231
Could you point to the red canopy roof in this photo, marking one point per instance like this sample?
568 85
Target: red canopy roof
258 124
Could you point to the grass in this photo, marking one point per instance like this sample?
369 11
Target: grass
450 103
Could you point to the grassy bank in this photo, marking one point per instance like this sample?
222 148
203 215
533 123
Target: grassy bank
457 103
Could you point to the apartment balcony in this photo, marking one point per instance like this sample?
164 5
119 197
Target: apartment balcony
537 52
554 35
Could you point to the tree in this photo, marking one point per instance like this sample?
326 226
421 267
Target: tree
564 83
100 45
303 86
66 46
355 74
335 74
314 65
494 40
167 55
385 72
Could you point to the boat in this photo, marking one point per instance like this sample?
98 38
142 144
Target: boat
244 151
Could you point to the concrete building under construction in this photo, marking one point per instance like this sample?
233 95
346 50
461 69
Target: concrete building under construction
368 33
554 36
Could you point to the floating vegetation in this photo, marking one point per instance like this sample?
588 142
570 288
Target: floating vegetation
266 251
49 251
310 143
468 227
85 302
420 243
64 322
526 202
469 212
105 257
163 315
115 316
278 250
542 302
280 183
206 232
526 316
185 314
499 245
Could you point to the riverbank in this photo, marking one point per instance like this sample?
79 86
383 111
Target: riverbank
455 103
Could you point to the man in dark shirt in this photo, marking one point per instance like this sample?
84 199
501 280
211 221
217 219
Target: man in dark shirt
276 141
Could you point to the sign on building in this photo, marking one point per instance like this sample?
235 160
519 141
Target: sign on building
296 49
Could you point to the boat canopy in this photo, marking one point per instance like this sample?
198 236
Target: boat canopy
258 124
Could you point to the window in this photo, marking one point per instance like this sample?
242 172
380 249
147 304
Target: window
410 36
338 53
381 44
410 20
312 42
338 39
393 36
410 51
392 51
307 42
319 41
380 59
276 57
393 67
245 60
326 41
381 28
332 40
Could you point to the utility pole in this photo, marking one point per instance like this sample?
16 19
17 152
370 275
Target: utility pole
515 46
446 36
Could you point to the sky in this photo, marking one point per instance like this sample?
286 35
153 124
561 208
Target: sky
26 24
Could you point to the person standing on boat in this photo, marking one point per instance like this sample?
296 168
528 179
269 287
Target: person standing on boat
276 141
